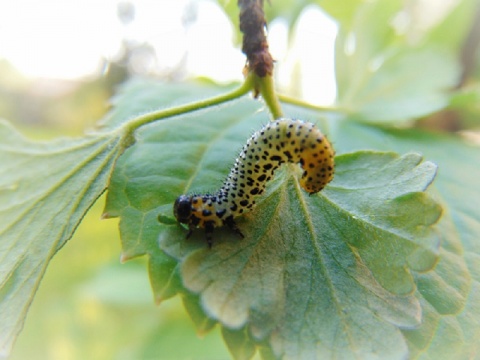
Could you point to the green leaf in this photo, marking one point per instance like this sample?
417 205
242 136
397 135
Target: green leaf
322 264
311 275
381 78
449 293
45 190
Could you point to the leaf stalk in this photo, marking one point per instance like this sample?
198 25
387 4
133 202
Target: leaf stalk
148 118
266 87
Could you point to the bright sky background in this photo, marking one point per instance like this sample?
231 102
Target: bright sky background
67 39
64 39
58 39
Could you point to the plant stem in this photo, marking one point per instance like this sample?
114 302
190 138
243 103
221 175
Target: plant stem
266 87
193 106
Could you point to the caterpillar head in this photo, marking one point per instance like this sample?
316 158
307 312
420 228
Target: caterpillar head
182 209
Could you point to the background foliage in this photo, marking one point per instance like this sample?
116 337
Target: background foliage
406 86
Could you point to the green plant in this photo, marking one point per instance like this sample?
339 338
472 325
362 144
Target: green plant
365 268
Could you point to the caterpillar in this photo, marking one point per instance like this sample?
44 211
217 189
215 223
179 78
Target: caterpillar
281 141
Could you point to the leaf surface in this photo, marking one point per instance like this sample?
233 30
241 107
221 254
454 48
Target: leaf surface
320 275
449 294
45 190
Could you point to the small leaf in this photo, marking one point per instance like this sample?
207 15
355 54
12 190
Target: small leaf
45 190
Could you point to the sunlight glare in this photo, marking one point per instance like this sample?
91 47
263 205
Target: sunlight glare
311 61
58 39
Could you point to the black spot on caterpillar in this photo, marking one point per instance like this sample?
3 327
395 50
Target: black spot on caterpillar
279 142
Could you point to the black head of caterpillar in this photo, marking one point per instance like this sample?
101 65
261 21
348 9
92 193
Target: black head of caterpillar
281 141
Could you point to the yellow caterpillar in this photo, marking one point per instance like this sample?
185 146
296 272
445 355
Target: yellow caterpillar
280 141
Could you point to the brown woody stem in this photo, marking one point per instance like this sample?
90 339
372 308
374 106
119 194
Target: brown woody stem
259 59
255 45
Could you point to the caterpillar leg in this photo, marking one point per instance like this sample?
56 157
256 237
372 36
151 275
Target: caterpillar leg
232 225
190 230
209 227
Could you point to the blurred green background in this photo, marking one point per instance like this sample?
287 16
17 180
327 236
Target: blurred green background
91 306
60 62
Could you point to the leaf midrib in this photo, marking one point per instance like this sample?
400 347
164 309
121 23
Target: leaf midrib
322 262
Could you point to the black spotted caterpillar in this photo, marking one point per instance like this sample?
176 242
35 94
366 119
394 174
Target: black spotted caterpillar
281 141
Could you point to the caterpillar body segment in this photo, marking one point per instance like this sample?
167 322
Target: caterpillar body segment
278 142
